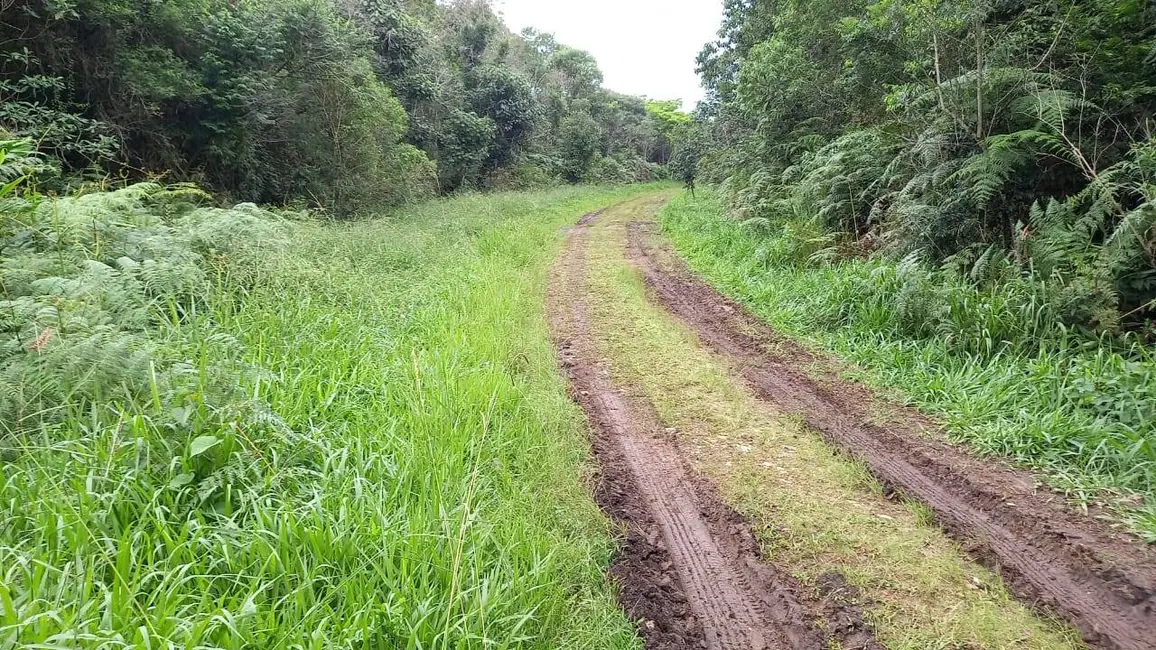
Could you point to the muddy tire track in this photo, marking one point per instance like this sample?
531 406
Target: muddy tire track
690 568
1101 580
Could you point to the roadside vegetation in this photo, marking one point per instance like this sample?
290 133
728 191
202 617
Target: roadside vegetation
274 368
1076 407
958 196
234 428
239 425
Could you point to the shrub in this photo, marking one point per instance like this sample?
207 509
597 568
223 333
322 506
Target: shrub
91 282
608 170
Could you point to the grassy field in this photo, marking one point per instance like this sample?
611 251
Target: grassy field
395 464
1079 410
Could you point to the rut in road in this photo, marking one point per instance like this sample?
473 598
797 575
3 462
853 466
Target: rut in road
691 568
1103 581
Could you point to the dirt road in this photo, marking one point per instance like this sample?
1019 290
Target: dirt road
691 570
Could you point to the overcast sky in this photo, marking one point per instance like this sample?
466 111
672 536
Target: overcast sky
644 47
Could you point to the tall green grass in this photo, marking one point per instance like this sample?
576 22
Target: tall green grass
993 364
395 464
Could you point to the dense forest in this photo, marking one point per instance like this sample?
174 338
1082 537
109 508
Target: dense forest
1005 143
342 105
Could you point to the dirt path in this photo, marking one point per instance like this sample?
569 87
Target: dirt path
691 569
1102 581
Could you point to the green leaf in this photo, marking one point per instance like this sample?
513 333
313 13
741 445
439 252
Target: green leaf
203 444
181 415
7 189
9 609
181 480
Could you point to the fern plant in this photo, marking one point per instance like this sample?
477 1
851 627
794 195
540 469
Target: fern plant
90 280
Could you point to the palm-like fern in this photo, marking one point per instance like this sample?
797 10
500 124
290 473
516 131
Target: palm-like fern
88 279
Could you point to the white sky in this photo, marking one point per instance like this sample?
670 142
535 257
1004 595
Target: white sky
644 47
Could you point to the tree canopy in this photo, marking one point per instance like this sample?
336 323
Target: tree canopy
344 105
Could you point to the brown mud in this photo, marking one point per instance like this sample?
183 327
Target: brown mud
690 570
1101 580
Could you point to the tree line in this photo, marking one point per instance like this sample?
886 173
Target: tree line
343 105
1001 141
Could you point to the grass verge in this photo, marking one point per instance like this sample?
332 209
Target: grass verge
816 512
399 465
1076 409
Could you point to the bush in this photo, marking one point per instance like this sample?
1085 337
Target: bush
346 135
608 171
527 174
92 281
464 144
1022 140
580 141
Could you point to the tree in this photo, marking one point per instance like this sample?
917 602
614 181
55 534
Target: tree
341 104
505 97
578 72
464 146
669 121
580 142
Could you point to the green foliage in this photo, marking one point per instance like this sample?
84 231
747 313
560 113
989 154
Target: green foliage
269 102
688 155
329 102
398 37
958 197
671 123
581 141
18 160
964 133
667 115
352 158
464 147
36 106
87 279
578 71
610 171
506 98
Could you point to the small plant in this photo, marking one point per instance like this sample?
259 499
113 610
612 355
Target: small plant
16 158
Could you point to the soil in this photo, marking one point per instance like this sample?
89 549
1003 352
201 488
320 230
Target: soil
1100 579
689 571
